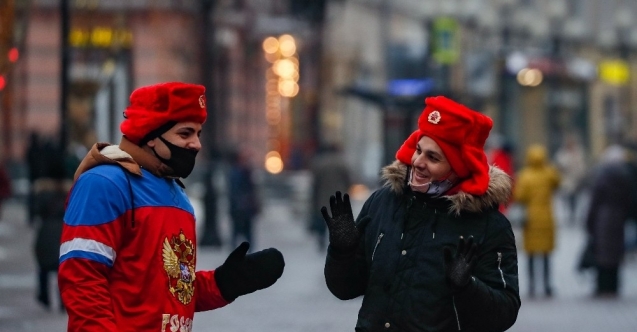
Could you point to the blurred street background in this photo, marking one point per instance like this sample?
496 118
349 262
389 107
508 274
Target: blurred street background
300 301
286 81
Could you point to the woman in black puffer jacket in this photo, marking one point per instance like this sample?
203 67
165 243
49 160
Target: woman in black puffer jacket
430 251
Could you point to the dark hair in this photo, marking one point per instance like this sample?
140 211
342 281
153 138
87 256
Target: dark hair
157 132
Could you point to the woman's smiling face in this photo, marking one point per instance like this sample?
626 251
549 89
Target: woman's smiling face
429 162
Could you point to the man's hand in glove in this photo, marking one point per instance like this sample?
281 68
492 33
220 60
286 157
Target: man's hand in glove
243 274
344 234
458 269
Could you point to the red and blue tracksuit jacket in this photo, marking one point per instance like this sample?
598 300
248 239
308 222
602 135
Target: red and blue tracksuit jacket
128 255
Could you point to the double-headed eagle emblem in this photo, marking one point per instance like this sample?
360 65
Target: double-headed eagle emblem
179 263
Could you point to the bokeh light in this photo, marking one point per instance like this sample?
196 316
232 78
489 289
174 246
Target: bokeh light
273 162
270 45
288 88
287 45
530 77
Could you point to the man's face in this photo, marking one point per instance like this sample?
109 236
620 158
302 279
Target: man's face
429 162
183 134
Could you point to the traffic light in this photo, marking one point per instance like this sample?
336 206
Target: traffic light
3 82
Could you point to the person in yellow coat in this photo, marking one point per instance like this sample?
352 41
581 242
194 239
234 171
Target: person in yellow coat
535 186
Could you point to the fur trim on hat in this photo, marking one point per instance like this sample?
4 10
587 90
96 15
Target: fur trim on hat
498 191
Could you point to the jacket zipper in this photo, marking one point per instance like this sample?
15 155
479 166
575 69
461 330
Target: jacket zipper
500 269
380 237
453 299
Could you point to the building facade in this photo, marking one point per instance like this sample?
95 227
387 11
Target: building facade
542 69
357 77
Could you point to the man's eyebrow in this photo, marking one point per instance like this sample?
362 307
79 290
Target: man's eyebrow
189 129
429 151
436 153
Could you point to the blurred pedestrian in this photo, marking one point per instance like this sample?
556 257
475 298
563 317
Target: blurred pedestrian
330 174
49 196
631 222
34 158
244 201
6 187
210 236
128 253
535 187
430 250
571 162
500 154
612 200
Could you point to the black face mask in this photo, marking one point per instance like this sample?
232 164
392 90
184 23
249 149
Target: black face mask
182 160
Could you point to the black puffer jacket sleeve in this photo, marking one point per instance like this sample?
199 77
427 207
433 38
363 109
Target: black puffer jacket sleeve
491 301
346 273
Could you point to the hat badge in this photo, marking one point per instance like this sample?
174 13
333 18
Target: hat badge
202 102
434 117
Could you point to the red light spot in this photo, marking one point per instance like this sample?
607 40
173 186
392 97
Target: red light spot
2 83
14 54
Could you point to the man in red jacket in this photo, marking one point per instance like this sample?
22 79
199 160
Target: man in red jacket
128 252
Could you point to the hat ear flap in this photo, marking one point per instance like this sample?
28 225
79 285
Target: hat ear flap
476 160
407 150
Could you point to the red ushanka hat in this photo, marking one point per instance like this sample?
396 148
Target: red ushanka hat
155 105
461 133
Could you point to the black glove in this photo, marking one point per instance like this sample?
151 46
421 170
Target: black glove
458 269
243 274
344 234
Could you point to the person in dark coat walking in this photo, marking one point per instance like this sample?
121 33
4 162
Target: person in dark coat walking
50 190
430 251
210 237
6 187
612 196
35 153
243 197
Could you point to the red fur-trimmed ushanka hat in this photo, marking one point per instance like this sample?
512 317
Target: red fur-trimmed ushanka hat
153 106
461 134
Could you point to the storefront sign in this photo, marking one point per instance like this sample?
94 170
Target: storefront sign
615 72
446 40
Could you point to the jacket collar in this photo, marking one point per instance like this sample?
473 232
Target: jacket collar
394 176
127 155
